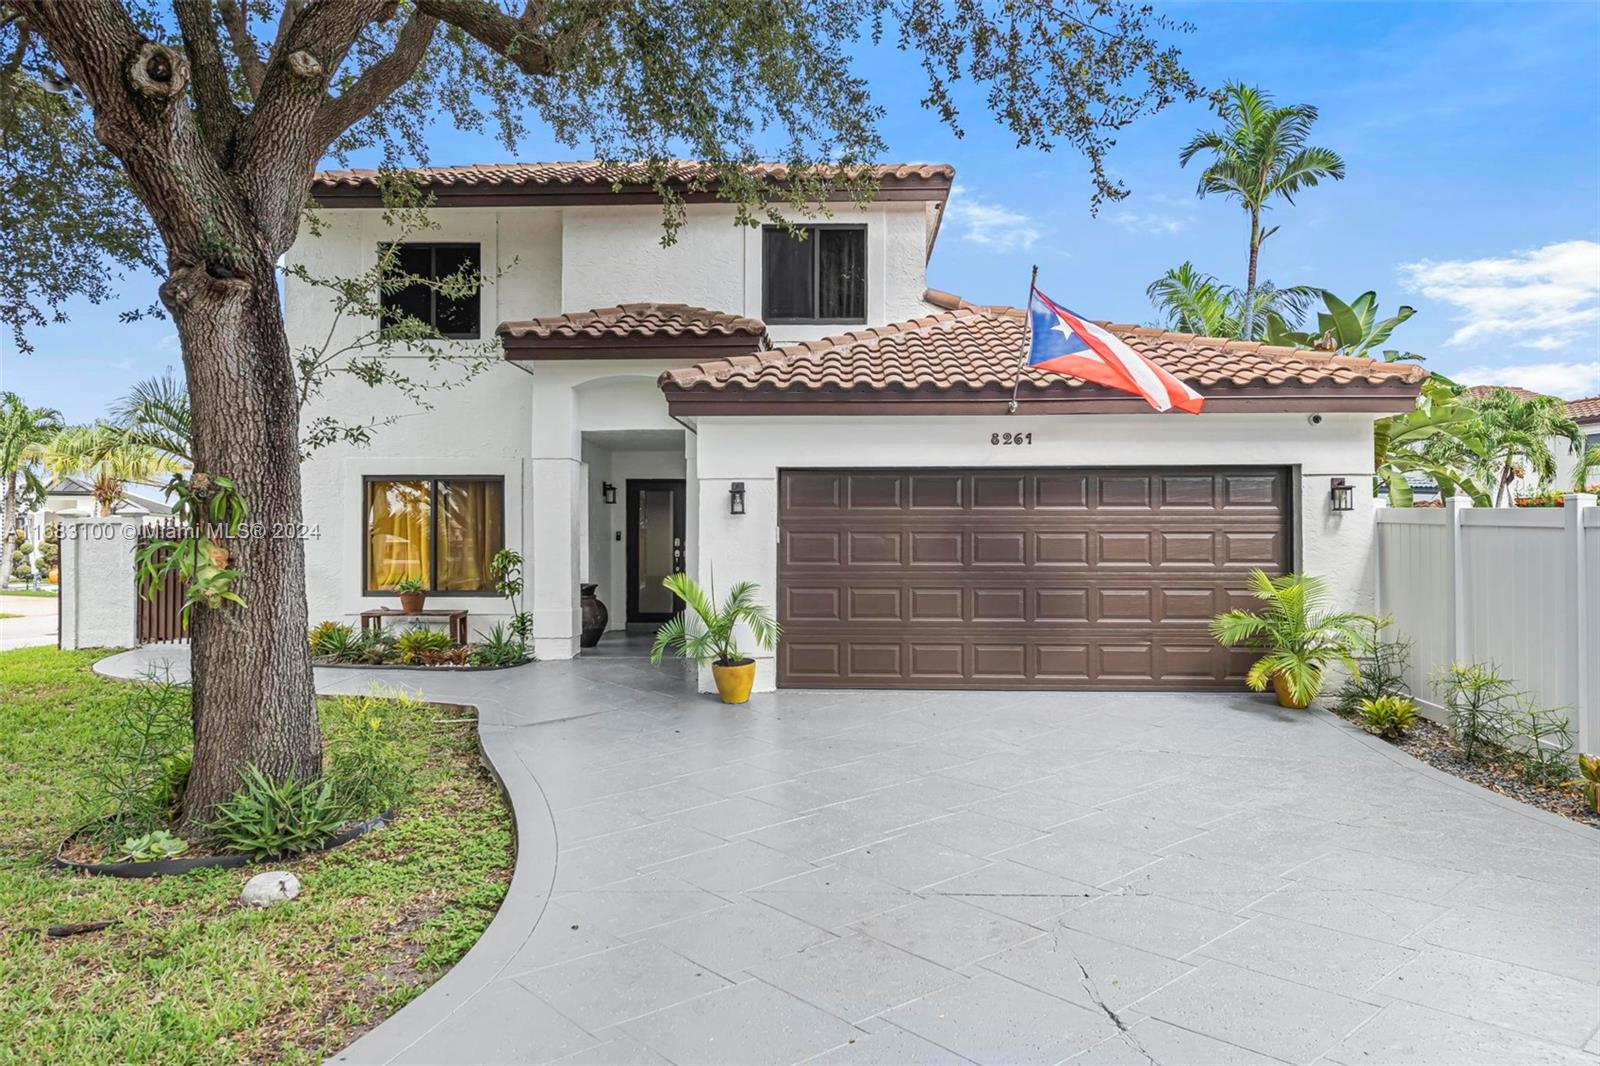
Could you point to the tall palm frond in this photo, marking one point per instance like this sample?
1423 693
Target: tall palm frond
1589 460
156 413
1191 301
1514 434
1259 155
105 455
706 633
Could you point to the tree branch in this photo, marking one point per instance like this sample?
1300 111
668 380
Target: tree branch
377 82
216 113
524 39
236 18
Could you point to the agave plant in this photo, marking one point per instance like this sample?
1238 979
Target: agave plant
1300 638
704 632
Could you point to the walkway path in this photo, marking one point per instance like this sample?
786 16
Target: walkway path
35 624
986 877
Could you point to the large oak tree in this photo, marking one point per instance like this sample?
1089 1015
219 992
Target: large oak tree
202 122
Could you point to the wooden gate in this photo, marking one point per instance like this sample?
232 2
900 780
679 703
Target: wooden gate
160 615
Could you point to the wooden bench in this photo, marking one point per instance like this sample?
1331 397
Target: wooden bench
456 620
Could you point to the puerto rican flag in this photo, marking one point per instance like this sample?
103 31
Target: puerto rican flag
1063 343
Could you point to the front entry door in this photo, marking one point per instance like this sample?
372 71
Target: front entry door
655 547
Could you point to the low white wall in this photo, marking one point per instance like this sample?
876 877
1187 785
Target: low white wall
1337 547
1516 587
99 601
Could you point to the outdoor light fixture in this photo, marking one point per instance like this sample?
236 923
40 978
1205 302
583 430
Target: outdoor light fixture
1343 495
736 498
608 492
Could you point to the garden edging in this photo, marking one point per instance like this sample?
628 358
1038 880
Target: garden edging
532 875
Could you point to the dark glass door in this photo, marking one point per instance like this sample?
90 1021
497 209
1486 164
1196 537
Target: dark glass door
655 548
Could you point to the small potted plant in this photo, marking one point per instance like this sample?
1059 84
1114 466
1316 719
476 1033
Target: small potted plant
703 633
413 593
1299 638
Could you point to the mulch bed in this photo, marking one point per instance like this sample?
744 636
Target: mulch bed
1433 744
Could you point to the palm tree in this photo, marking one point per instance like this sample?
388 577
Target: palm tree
156 413
1515 437
107 456
1193 302
22 430
1587 461
1259 154
1440 438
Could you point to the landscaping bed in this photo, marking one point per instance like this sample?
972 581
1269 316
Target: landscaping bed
187 973
1433 744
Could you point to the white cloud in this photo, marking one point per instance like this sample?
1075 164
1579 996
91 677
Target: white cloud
1152 222
992 225
1567 380
1546 299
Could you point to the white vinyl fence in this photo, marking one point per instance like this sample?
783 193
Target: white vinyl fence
1517 587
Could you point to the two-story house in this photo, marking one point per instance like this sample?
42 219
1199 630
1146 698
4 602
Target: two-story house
809 415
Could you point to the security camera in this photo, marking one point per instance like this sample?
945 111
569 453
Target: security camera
1315 420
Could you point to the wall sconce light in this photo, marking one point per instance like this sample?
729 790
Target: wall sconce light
608 492
1343 495
736 498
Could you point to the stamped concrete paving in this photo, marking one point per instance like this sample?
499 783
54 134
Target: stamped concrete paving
995 877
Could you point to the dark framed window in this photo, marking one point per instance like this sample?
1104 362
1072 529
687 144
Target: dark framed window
822 278
455 318
443 531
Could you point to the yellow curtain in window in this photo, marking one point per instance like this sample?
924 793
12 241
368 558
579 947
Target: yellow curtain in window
471 531
398 532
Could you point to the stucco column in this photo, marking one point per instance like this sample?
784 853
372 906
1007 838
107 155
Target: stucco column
555 558
734 548
99 602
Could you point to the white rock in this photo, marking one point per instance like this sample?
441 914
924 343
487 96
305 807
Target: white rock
272 887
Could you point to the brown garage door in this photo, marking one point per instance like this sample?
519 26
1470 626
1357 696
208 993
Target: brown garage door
1049 579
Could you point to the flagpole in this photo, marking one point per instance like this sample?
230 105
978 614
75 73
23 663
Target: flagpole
1033 282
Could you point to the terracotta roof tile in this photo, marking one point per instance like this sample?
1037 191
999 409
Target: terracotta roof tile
968 348
591 172
637 320
1584 410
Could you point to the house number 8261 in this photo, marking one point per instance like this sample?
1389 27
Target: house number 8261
1010 438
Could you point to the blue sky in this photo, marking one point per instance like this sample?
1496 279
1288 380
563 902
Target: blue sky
1471 134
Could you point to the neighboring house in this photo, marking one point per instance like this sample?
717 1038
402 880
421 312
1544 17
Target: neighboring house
72 497
1586 413
811 417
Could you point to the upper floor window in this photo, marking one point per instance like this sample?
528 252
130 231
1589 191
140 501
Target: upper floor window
456 318
822 278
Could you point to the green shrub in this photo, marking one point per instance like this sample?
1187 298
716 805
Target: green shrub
1480 702
501 646
159 844
1540 739
137 778
419 645
373 647
265 819
364 761
338 642
1388 716
1382 669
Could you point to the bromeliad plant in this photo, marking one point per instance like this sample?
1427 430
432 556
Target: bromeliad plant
1299 637
210 509
704 632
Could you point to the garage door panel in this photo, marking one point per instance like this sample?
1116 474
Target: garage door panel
1021 578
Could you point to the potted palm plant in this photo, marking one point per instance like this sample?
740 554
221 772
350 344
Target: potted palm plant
413 594
1300 638
703 632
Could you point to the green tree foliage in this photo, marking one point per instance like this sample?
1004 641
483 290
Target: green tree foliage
1194 302
107 456
1258 156
1441 439
1510 439
1351 329
23 432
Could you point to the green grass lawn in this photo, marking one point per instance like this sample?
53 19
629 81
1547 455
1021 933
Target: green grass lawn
4 615
190 976
28 592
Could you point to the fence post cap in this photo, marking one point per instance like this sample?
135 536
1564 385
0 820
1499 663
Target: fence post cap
1578 499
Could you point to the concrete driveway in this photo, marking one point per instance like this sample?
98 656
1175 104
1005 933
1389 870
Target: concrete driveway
35 624
990 877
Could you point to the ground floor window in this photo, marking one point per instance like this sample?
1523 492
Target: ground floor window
440 531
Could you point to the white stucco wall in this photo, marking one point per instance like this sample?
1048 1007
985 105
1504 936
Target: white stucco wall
99 600
1335 547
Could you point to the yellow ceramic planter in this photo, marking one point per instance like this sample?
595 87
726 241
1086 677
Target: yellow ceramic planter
734 682
1280 685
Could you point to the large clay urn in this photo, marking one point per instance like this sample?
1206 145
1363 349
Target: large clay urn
594 614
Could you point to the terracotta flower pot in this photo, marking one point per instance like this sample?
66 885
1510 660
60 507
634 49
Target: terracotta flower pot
412 602
1280 685
734 681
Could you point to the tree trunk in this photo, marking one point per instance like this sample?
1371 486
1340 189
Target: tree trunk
253 702
10 529
1255 253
